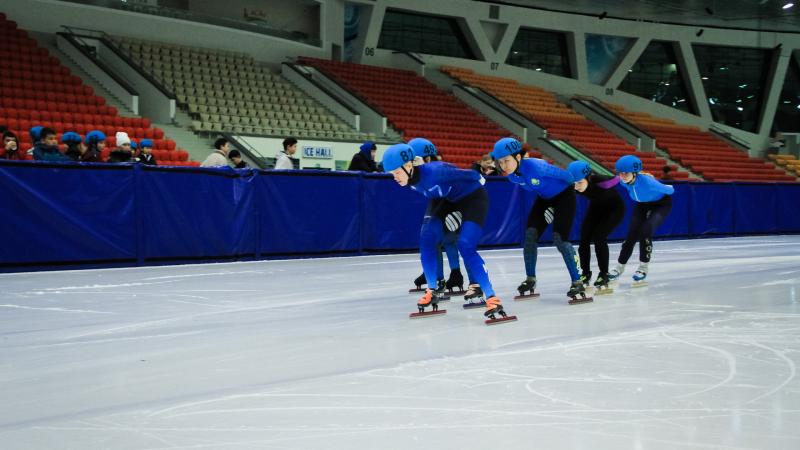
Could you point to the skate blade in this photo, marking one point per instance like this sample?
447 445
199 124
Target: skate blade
639 284
419 315
526 297
474 305
415 290
500 320
606 291
457 293
578 301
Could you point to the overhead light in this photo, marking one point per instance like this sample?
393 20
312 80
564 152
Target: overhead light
798 106
787 101
711 100
742 86
750 96
788 5
630 70
681 100
739 101
666 84
703 78
740 108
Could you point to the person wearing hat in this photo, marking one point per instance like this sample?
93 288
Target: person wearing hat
364 160
606 210
460 191
555 203
35 133
46 148
123 151
10 148
73 141
653 204
95 143
146 156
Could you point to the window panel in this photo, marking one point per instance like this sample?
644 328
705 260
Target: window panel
543 51
734 80
656 76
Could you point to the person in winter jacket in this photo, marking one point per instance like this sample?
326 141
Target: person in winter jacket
10 148
364 160
146 155
46 149
123 151
74 142
95 143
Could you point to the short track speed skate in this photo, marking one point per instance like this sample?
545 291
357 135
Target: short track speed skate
493 309
577 294
526 286
473 298
602 285
430 299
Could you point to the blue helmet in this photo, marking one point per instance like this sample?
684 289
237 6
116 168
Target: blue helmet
133 144
629 163
422 147
396 156
95 136
579 170
36 133
505 147
71 137
146 143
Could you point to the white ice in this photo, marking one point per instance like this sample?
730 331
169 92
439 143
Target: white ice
320 354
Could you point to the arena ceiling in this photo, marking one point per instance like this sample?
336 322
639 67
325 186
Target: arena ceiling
751 14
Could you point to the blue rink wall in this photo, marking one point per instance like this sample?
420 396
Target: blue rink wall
109 215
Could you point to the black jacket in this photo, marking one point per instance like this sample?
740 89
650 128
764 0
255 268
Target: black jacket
119 156
599 192
148 159
362 162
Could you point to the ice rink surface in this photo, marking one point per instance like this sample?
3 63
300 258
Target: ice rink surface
320 354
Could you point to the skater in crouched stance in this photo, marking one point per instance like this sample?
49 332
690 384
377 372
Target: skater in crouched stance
606 210
555 203
425 151
461 191
653 204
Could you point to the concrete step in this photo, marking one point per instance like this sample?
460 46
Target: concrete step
198 147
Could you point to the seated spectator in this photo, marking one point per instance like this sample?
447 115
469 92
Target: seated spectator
95 143
364 160
134 151
666 173
46 149
236 159
74 142
35 134
123 151
146 155
10 148
485 166
220 156
283 160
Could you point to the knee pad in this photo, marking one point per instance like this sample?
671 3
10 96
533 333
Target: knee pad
469 237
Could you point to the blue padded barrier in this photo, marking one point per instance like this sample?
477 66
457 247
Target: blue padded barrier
102 214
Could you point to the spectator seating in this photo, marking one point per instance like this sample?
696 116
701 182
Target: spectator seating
418 108
35 89
788 162
560 121
702 151
227 91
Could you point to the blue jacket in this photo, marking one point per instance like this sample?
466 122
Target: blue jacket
537 175
43 152
441 180
645 188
